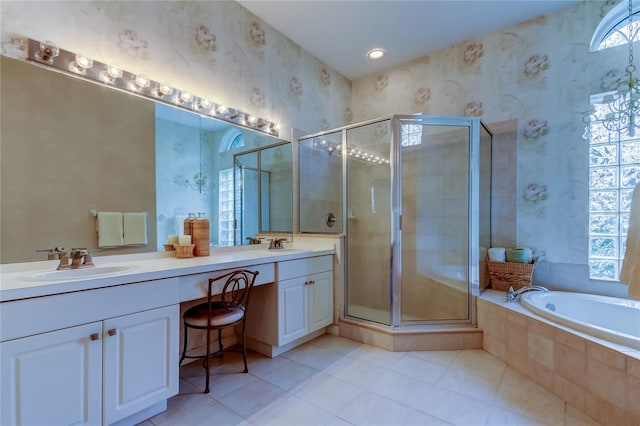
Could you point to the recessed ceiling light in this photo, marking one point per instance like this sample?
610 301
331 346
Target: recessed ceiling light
375 53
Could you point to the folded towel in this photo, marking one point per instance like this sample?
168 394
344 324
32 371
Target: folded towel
135 228
110 230
630 273
497 254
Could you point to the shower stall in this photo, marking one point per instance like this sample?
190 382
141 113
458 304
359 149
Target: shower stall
412 195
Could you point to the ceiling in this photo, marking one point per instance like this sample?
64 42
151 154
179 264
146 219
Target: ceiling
340 33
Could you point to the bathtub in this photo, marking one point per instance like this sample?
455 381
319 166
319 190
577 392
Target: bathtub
609 318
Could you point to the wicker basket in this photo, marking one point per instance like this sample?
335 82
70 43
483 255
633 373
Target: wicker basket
510 274
183 252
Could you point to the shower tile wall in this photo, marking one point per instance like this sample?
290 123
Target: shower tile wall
321 173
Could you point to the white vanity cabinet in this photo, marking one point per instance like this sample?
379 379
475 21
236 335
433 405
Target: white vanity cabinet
53 378
300 304
115 365
140 361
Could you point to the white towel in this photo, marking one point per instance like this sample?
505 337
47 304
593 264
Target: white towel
630 273
497 254
110 230
135 228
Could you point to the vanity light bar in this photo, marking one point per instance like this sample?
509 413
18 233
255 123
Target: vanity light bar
352 151
47 54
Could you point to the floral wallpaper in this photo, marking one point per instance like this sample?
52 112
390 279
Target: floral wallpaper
215 49
539 72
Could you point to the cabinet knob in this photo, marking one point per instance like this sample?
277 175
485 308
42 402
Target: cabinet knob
312 282
94 336
112 332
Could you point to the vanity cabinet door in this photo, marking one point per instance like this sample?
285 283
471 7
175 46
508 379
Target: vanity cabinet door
140 361
320 300
292 310
53 378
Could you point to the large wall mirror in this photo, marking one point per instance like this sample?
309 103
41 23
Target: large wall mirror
70 147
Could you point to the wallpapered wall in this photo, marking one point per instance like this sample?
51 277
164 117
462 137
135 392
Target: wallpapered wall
215 49
539 72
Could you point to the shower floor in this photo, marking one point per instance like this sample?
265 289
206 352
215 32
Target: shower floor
368 313
378 315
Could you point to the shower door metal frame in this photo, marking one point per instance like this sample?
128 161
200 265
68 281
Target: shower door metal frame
395 244
473 279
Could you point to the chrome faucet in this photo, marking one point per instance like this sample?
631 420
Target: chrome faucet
276 243
81 258
253 241
512 295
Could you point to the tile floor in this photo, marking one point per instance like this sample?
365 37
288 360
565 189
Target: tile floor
336 381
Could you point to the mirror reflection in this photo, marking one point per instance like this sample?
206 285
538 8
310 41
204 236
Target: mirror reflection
70 147
263 195
195 162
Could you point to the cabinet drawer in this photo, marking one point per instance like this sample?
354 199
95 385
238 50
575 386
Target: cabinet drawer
26 317
301 267
194 287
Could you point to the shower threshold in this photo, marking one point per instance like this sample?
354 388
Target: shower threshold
418 337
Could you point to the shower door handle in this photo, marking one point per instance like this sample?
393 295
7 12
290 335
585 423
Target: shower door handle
331 220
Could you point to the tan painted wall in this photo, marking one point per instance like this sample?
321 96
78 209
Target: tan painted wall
54 169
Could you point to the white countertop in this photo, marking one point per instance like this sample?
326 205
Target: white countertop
16 280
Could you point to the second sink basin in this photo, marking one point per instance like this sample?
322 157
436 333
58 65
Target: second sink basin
81 273
282 250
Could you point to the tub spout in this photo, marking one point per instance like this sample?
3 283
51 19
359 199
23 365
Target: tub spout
512 295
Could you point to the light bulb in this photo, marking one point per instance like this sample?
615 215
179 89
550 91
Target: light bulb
111 73
48 51
141 81
222 109
163 89
186 97
252 119
204 103
81 64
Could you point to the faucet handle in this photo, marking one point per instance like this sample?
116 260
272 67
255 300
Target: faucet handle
53 253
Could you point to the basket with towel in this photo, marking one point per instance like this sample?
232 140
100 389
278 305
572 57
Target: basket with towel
510 268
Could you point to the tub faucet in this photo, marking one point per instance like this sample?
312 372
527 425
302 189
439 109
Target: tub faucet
512 295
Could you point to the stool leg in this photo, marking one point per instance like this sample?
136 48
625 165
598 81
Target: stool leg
206 386
184 346
220 347
244 350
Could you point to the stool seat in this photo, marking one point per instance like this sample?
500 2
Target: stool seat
198 316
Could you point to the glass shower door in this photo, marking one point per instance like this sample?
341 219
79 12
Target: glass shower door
435 179
368 209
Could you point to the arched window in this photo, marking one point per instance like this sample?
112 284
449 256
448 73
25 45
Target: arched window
613 30
614 160
232 139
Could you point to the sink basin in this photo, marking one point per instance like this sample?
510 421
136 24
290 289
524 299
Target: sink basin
282 250
76 274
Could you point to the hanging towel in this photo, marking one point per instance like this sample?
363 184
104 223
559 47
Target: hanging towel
630 273
110 231
135 228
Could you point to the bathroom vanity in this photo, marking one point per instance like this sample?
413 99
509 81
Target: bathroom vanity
102 346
